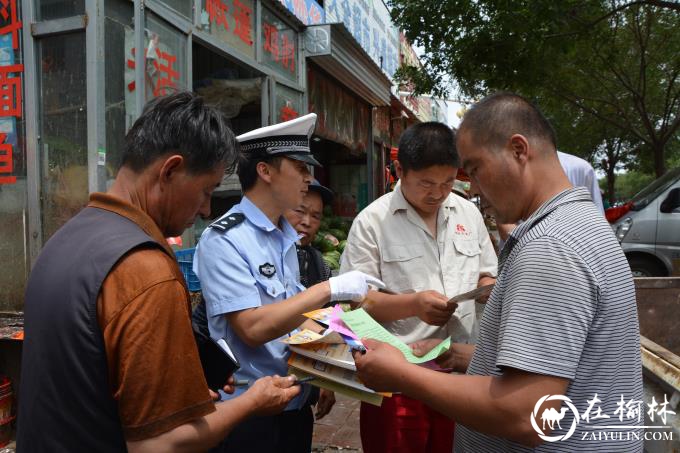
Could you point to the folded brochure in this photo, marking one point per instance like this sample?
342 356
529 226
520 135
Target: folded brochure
337 354
309 336
328 356
334 378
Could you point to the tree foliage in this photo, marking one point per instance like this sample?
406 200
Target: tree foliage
603 71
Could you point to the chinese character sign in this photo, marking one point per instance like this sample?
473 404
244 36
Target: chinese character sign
10 22
6 162
308 11
161 75
243 20
279 46
10 88
371 26
164 64
232 22
288 103
217 12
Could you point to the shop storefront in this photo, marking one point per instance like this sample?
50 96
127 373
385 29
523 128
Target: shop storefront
74 82
346 89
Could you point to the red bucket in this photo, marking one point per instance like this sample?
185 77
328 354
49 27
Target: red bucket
6 410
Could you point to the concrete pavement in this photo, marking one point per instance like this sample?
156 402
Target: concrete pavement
339 430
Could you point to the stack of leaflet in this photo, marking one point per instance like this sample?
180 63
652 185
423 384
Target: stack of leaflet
328 356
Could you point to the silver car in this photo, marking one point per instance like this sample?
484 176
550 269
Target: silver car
650 232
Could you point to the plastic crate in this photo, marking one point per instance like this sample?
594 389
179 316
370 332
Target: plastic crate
185 258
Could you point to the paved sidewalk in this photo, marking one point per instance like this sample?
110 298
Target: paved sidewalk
339 430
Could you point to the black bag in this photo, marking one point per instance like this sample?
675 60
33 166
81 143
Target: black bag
217 359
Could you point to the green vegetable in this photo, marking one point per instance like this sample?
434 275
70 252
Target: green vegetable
341 246
332 239
334 254
326 246
338 233
332 262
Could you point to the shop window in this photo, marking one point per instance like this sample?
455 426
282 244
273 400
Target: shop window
57 9
279 46
63 129
166 58
183 7
343 118
165 73
119 86
288 104
236 90
231 22
13 186
165 51
232 87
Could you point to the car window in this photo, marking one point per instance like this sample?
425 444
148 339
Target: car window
649 193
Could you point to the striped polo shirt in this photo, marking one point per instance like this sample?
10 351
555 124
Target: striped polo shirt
564 305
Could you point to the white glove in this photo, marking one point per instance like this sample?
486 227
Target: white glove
352 286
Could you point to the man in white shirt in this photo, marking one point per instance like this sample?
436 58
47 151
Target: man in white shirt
581 174
561 324
427 244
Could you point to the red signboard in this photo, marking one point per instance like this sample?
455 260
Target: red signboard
288 113
217 11
10 88
280 46
8 12
243 29
6 161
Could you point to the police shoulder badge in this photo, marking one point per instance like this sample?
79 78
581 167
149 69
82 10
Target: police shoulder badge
268 270
227 222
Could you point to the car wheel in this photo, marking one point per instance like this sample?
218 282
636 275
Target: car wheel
645 267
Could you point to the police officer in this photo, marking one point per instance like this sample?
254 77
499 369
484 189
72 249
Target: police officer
306 219
248 267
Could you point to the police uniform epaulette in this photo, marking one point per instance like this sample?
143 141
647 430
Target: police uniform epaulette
226 223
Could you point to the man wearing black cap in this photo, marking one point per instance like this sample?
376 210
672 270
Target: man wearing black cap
248 267
306 219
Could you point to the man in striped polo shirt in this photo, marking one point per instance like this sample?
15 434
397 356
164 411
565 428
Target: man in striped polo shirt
558 358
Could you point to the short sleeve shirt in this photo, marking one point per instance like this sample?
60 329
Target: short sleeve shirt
390 241
581 174
252 264
564 306
143 310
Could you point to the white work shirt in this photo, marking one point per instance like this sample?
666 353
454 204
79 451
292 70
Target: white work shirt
581 174
389 240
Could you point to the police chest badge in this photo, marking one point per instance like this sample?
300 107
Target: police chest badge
268 270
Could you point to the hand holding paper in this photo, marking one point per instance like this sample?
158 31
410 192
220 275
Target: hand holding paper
482 291
364 326
432 308
379 368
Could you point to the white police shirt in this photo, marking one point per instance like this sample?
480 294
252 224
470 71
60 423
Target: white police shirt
249 264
